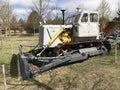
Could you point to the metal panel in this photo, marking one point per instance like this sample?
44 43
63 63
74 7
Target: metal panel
41 35
47 32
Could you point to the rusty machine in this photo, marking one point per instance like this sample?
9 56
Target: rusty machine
75 41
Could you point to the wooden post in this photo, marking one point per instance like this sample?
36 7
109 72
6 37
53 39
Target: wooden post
115 51
4 78
1 38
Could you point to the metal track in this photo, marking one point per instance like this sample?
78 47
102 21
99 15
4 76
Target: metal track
67 47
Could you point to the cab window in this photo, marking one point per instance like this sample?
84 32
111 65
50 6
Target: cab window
84 18
93 17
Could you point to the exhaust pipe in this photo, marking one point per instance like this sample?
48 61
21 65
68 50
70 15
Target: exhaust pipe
63 13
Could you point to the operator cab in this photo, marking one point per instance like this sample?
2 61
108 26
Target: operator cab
73 19
86 24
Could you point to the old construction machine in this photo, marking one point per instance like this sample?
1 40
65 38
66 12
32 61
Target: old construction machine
59 45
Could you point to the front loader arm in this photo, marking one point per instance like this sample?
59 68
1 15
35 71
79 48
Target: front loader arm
55 36
52 39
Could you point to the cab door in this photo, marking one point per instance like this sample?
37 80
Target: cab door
93 25
83 25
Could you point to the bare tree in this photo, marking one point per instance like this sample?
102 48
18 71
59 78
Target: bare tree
118 12
42 7
5 14
117 18
104 10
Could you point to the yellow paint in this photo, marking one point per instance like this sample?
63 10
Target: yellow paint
65 37
55 36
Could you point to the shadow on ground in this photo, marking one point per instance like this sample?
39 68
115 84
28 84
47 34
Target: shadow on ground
27 85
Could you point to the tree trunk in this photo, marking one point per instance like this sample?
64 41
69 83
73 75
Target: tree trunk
34 32
1 38
6 31
14 32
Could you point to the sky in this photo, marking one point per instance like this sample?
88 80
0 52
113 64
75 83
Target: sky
22 7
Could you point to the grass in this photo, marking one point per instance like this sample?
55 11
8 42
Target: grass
96 73
10 45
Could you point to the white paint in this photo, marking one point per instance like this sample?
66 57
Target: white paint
88 29
53 29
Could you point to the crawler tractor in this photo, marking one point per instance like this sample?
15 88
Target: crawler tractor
59 45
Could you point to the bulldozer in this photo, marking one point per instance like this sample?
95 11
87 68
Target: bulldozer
60 45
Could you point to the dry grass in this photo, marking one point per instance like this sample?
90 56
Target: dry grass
96 73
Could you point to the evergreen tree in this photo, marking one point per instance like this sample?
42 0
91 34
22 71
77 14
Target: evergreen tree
33 21
14 24
22 25
56 21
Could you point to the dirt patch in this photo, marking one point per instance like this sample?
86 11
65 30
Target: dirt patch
83 76
96 73
1 86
